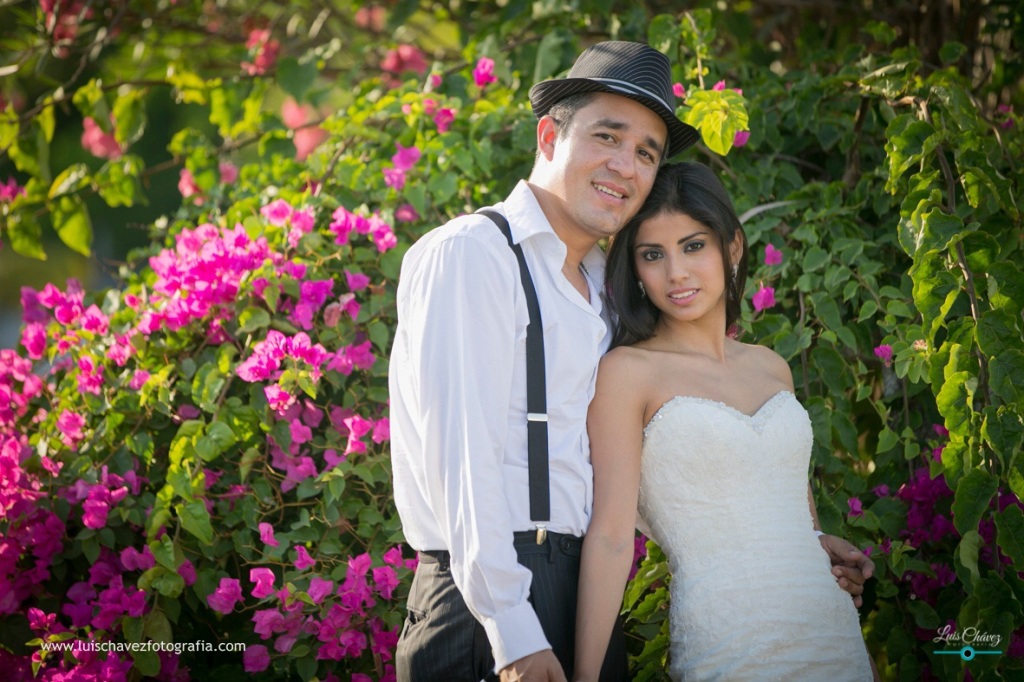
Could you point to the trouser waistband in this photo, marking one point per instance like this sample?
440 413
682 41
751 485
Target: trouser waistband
525 543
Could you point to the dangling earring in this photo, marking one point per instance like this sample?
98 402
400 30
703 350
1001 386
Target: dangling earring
735 272
643 292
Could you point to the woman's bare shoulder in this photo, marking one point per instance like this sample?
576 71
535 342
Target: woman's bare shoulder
766 360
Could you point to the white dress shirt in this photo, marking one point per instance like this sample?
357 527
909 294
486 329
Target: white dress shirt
458 404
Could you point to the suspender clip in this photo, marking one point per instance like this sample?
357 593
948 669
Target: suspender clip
542 533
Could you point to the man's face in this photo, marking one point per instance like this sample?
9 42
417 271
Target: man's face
603 166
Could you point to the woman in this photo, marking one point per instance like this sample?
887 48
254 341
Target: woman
703 434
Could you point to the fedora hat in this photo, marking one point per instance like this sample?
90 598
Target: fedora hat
629 69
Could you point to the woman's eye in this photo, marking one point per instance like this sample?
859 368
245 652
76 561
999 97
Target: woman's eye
693 246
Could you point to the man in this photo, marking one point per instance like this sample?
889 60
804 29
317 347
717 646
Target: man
495 589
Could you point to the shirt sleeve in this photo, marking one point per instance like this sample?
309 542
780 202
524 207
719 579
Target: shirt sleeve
460 315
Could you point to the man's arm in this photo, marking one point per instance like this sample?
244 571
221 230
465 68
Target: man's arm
460 314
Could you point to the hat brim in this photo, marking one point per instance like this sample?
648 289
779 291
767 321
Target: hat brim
546 94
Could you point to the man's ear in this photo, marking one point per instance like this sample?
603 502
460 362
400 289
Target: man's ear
547 135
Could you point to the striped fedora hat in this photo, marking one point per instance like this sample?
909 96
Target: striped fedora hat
632 70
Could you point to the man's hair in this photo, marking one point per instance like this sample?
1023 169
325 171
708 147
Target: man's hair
564 110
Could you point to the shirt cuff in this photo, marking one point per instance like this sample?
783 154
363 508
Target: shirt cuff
515 633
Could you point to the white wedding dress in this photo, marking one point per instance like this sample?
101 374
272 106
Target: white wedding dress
752 595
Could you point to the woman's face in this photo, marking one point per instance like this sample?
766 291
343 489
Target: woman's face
679 261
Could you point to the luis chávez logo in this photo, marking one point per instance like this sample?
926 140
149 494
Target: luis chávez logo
970 639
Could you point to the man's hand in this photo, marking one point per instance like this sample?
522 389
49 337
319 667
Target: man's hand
850 566
542 666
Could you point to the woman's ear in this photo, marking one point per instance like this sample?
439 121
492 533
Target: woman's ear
736 248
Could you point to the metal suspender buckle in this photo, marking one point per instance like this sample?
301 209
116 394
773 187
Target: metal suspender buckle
542 533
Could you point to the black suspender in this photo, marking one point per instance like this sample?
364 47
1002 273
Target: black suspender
536 391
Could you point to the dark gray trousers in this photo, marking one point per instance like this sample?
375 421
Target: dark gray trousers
441 641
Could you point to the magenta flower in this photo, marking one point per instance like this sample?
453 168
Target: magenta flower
319 588
188 187
277 212
741 138
772 255
99 143
267 535
406 213
264 579
386 580
404 58
303 561
435 80
356 280
256 658
678 90
881 490
483 74
134 560
764 298
856 508
443 119
884 353
138 380
10 190
406 157
720 85
227 594
187 572
394 177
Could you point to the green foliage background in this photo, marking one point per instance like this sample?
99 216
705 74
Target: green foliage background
879 162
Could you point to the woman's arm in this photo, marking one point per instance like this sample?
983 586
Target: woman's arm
615 426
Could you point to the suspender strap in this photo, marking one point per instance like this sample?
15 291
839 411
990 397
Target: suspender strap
536 390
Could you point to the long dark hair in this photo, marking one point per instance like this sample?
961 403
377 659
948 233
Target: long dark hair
691 189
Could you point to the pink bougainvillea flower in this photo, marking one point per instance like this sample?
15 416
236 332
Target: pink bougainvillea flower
188 188
99 143
228 172
404 58
227 594
678 90
264 579
741 138
134 560
406 157
277 212
356 280
720 85
884 353
305 137
373 17
70 426
940 430
483 74
443 119
435 80
881 490
256 658
395 178
303 561
11 190
382 430
856 508
187 572
319 588
406 213
267 535
264 51
764 298
772 255
138 380
386 580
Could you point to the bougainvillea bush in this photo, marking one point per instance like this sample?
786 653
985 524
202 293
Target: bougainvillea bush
197 456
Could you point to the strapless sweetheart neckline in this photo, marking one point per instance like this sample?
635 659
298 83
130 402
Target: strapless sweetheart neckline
763 412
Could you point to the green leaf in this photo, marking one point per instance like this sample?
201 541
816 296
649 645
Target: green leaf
954 403
296 78
971 498
1007 378
129 116
219 437
663 33
815 258
951 52
118 181
70 180
718 115
1010 534
207 385
196 520
71 220
90 101
253 319
147 662
26 236
967 552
